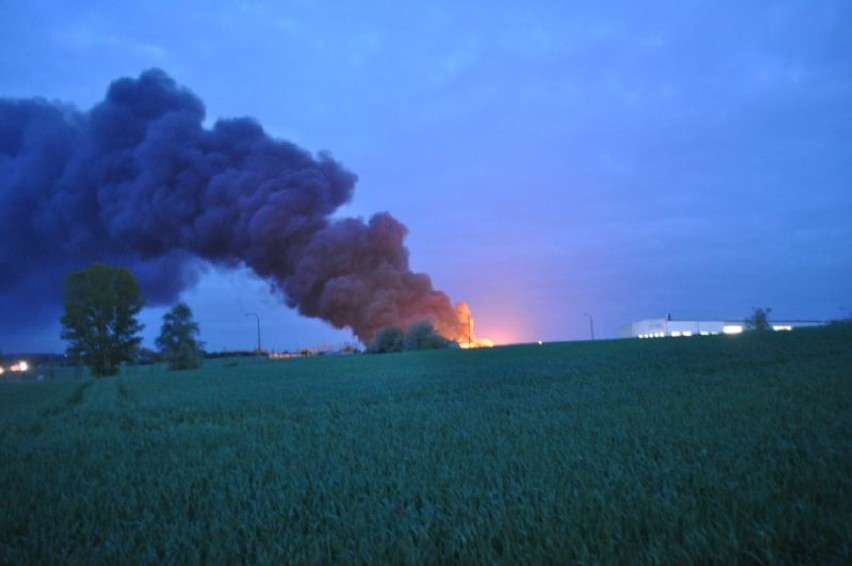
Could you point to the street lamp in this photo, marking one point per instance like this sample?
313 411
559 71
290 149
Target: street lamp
591 325
254 314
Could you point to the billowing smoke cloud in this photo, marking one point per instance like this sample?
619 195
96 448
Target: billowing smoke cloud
139 181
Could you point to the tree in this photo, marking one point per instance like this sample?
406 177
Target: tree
101 304
759 319
386 340
177 341
422 336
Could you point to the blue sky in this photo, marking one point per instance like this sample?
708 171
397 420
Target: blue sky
548 158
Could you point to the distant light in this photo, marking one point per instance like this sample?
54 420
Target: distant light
539 342
732 329
687 333
20 366
781 327
654 335
705 333
676 334
2 370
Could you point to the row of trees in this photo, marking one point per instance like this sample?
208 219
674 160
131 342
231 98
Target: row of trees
100 324
420 336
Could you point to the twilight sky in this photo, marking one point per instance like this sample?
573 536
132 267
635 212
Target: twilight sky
550 159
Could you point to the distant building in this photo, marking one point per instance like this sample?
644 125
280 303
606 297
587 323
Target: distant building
664 327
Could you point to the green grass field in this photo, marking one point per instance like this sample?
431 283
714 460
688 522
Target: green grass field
722 450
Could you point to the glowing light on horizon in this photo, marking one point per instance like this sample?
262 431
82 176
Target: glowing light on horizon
467 339
480 343
20 366
504 329
732 329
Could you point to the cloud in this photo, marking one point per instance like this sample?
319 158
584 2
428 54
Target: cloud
138 181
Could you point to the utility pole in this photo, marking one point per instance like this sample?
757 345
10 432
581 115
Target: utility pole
591 325
254 314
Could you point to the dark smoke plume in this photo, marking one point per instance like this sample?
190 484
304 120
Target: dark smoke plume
139 181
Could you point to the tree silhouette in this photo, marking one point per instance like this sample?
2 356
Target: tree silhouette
759 319
178 342
101 304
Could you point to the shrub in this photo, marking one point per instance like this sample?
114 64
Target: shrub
422 336
386 340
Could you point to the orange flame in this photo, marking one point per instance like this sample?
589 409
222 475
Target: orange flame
465 337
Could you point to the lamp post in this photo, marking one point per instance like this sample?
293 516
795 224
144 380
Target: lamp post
591 325
257 316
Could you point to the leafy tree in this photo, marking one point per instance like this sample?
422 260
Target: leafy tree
101 304
422 336
178 342
759 319
386 340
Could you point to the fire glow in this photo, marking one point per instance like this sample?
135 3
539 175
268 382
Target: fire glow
465 322
226 194
18 367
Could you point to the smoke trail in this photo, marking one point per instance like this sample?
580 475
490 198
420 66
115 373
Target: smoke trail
139 181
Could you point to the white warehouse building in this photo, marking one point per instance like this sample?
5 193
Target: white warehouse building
663 327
